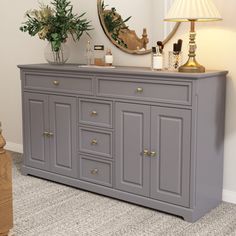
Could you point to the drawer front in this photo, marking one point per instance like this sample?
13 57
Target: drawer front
81 85
96 171
158 91
95 142
96 113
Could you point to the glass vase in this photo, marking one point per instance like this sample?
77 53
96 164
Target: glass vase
57 57
175 60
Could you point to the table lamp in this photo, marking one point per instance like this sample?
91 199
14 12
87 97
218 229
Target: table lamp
192 11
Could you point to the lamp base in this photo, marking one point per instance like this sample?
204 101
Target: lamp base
192 66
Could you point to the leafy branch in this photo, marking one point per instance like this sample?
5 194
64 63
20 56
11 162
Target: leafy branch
56 23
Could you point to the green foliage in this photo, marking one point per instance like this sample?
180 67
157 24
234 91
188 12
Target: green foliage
55 24
114 23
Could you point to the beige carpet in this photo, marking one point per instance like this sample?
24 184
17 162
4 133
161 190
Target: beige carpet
44 208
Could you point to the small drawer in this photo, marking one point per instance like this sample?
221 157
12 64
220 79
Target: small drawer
96 171
96 113
157 91
81 85
95 142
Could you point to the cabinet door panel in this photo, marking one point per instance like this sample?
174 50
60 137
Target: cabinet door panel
170 138
36 123
132 137
63 142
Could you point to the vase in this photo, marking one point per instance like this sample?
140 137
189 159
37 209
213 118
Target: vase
57 57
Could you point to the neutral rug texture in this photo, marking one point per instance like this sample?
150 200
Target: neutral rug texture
44 208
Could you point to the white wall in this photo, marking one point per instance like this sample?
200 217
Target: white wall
216 50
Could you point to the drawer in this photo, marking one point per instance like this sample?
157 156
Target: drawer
96 171
81 85
95 113
95 142
158 91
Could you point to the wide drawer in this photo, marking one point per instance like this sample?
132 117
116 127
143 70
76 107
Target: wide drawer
158 91
81 85
95 142
95 113
97 171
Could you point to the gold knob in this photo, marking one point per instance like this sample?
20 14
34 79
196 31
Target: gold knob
46 133
94 142
145 153
56 82
94 171
139 90
153 154
94 113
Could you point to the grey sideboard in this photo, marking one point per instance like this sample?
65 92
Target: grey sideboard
151 138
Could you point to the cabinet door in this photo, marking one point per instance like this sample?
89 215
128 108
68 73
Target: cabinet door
35 124
170 168
63 153
132 137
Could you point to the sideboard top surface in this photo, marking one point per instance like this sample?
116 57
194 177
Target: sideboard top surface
121 70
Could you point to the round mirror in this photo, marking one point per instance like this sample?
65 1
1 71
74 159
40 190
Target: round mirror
135 26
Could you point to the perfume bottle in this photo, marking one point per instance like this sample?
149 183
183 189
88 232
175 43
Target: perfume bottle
99 55
89 54
108 58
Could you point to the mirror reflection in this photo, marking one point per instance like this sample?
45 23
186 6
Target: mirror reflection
136 25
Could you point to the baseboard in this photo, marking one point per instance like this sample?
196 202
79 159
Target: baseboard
15 147
229 196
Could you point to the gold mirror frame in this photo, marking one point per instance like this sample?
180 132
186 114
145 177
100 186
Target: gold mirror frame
99 9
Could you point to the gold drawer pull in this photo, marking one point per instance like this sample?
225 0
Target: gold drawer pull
94 142
94 171
94 113
56 82
153 154
139 90
145 153
46 133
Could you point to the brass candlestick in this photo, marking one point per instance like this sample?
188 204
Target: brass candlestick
192 65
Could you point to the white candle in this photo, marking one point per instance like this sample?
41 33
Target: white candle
157 62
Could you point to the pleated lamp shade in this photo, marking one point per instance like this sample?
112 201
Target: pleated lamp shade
198 10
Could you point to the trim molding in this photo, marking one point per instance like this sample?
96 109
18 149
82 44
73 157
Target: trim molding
15 147
229 196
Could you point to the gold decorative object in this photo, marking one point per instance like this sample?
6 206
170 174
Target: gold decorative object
192 11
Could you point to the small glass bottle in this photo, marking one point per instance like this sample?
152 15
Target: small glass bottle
89 54
99 55
157 59
108 58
